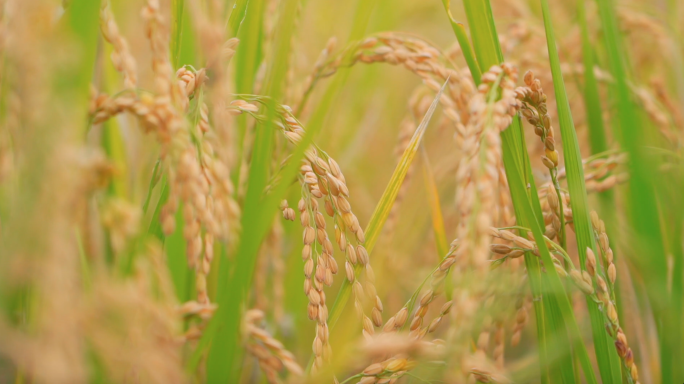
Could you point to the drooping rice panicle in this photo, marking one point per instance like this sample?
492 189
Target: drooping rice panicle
122 58
477 175
536 112
131 142
271 354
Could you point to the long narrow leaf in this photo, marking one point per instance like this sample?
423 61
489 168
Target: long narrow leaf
554 343
466 47
598 140
112 140
488 51
437 219
238 14
592 98
435 207
248 57
511 160
82 20
606 355
178 8
174 247
483 32
384 206
225 350
555 285
642 204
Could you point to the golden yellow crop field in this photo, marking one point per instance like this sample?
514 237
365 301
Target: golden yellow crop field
363 191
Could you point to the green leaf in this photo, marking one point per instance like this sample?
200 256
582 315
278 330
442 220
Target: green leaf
82 19
382 209
113 144
224 330
606 355
437 219
483 32
256 224
559 344
238 14
112 140
248 57
178 10
466 48
592 98
511 140
175 249
554 285
597 135
488 51
496 263
155 225
187 51
648 253
435 206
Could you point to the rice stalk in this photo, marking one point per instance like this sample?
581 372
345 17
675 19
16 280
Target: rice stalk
162 208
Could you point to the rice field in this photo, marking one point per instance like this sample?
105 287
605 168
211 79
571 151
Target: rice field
368 191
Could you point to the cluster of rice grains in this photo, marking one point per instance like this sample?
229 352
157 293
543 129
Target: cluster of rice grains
472 305
535 111
324 184
486 111
478 116
418 57
480 175
198 181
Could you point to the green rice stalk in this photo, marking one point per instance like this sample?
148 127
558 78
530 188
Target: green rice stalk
606 355
650 256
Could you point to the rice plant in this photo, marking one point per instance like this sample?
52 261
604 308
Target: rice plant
375 191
